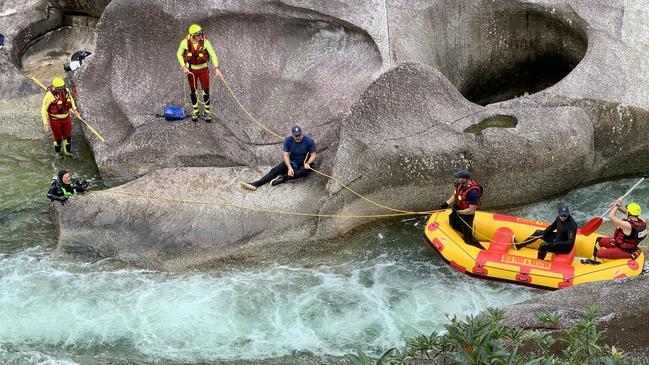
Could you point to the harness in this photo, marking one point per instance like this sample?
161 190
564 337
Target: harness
198 55
462 191
61 103
638 233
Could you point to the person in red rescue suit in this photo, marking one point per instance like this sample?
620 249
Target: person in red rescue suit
55 112
465 201
193 55
628 234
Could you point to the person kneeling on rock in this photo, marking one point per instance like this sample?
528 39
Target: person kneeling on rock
559 237
66 186
299 152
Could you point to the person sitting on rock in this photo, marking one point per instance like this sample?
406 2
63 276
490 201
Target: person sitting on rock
66 186
299 152
559 237
627 235
465 200
55 112
193 54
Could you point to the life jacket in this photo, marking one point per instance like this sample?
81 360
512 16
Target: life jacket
62 102
461 192
630 243
198 55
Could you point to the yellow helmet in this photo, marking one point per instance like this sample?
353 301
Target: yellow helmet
58 82
194 29
633 209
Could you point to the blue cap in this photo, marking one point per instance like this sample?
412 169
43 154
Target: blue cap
296 130
462 174
563 210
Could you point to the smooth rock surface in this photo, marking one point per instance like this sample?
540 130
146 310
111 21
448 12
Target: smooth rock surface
190 218
287 65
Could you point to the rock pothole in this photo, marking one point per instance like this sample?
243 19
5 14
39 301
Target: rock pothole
494 121
523 50
43 48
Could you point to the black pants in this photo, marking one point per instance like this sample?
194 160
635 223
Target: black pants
282 170
549 245
464 225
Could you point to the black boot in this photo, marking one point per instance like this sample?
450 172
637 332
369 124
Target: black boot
592 261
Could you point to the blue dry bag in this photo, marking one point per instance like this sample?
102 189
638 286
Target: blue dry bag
2 40
173 112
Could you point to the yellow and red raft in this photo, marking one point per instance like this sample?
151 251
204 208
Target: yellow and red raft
501 261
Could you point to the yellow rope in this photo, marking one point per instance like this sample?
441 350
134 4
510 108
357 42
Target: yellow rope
264 210
246 111
313 169
367 199
73 111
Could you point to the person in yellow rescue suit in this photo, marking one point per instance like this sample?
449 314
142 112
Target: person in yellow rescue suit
193 55
55 112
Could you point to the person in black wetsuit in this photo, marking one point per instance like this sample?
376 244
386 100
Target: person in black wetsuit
559 237
65 186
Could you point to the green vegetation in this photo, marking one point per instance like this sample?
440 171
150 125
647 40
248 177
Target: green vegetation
485 340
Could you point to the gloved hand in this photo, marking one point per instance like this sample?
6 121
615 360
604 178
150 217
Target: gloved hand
63 199
443 206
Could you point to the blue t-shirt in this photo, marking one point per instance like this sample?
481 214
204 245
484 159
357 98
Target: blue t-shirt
298 150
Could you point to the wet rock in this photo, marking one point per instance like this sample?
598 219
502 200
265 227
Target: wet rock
535 97
287 64
40 37
411 130
175 219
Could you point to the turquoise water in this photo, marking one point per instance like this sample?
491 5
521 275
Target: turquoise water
381 288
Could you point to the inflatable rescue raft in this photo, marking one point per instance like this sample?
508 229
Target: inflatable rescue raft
501 261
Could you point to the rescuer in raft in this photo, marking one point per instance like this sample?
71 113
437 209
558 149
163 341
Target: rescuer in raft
559 237
465 201
626 238
55 112
193 54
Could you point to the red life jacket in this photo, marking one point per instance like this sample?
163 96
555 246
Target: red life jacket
630 242
461 192
61 103
198 55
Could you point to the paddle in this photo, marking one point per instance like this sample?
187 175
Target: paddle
592 225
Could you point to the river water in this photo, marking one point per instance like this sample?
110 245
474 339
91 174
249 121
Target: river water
381 288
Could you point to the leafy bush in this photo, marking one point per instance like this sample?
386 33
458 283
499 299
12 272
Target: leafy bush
483 339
